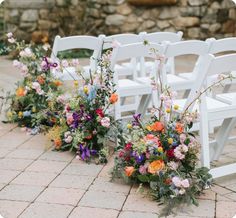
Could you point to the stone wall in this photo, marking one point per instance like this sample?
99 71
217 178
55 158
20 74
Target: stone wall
196 18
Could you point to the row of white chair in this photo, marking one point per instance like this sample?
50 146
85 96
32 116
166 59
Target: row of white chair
212 109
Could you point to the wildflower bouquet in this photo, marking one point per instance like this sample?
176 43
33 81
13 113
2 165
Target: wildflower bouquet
163 154
86 120
37 88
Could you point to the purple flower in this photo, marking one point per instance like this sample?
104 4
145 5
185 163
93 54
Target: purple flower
136 121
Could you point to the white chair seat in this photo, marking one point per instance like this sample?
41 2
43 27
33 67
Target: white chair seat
228 98
175 82
123 70
214 106
128 88
148 66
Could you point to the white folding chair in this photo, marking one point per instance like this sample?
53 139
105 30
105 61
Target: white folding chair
77 42
190 47
129 87
121 39
211 109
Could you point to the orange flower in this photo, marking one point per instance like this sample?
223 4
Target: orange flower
179 128
157 126
20 92
41 80
129 171
57 143
89 137
114 98
156 166
58 83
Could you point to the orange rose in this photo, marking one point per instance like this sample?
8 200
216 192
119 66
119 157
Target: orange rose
129 171
179 128
58 83
20 92
41 80
57 143
156 166
157 126
114 98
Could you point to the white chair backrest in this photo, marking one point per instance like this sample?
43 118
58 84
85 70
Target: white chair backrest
222 45
134 51
123 39
159 37
211 65
78 42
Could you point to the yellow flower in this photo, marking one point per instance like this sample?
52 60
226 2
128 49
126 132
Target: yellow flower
170 141
168 110
20 92
76 83
149 128
129 126
33 109
20 114
86 90
176 107
160 149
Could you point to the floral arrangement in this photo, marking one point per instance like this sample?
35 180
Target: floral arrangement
163 154
86 120
33 103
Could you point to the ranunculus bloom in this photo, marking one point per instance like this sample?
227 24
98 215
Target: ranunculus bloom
156 166
20 92
129 171
99 112
157 126
179 128
105 122
114 98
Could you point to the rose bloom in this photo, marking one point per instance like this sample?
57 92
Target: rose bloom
105 122
99 112
129 171
156 166
20 92
36 85
185 183
114 98
179 128
157 126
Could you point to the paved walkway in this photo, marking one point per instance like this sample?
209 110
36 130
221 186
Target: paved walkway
36 182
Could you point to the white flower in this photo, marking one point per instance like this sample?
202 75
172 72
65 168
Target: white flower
182 138
11 40
9 35
69 139
46 46
36 85
182 191
16 63
177 181
64 63
185 183
173 165
105 122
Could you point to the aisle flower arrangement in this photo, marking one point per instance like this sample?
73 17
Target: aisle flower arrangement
86 120
37 86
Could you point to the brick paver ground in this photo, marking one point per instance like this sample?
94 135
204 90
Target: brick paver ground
36 182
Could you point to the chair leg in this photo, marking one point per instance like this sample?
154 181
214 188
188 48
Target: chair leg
223 135
143 104
118 109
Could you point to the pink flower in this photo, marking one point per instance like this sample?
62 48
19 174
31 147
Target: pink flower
182 138
185 183
36 85
180 151
64 63
11 40
24 70
143 170
9 35
105 122
61 99
69 118
75 62
69 139
16 64
177 181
